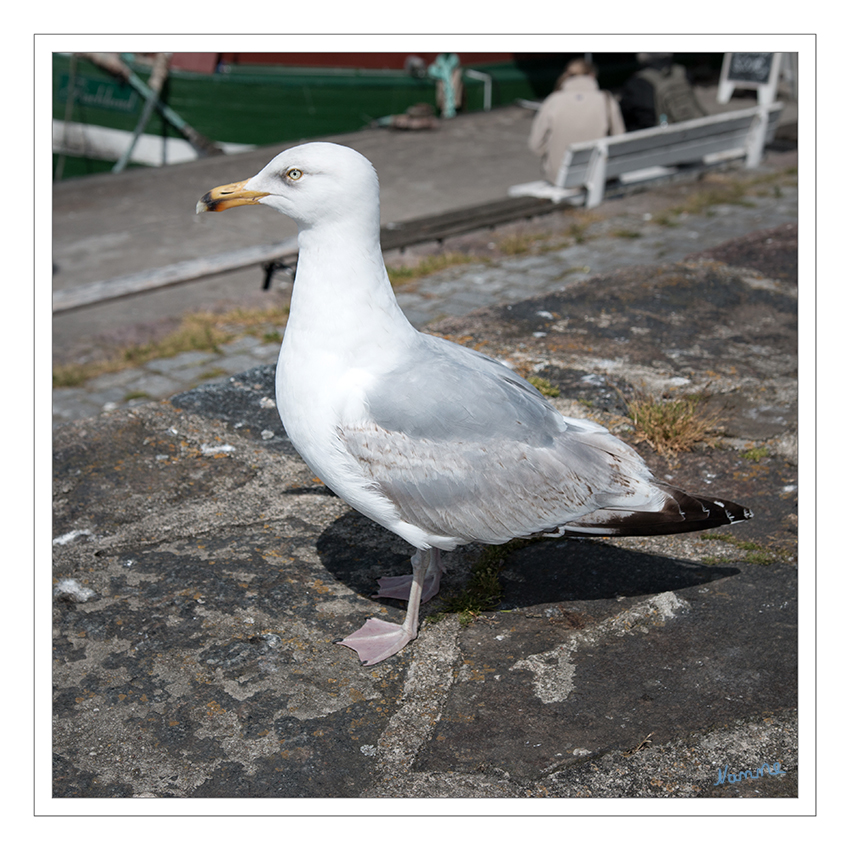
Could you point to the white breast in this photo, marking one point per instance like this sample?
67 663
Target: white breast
315 400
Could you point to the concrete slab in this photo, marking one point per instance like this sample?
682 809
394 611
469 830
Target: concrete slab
222 571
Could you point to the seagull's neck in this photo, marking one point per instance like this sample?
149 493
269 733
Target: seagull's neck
342 298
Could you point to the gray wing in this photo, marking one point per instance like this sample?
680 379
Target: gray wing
447 392
465 448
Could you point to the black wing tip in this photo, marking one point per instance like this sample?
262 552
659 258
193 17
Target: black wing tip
733 511
681 513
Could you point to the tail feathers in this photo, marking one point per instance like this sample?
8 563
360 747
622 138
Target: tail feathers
680 512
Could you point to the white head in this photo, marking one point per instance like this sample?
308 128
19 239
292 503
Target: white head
316 183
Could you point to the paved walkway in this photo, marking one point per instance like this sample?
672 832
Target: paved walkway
202 574
633 235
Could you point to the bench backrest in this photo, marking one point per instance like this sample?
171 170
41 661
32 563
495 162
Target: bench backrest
673 144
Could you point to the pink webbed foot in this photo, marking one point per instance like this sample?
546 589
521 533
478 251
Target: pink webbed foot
398 587
377 640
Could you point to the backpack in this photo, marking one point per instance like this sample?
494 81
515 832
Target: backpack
674 97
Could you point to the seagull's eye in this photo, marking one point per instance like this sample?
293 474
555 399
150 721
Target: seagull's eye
294 174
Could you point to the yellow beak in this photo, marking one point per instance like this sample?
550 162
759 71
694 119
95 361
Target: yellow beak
230 195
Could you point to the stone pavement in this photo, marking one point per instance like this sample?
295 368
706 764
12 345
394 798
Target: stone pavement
202 575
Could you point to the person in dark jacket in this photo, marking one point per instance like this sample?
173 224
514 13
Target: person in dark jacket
660 93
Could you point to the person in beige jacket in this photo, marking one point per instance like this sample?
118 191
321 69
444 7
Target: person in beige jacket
577 111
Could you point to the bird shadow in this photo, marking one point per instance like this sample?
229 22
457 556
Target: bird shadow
356 551
579 569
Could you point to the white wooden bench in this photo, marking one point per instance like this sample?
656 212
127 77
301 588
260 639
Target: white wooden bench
645 155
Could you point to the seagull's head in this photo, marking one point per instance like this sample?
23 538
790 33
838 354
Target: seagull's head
319 182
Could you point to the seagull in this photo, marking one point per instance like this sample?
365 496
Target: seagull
436 442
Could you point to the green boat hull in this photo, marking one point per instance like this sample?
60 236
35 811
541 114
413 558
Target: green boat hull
265 105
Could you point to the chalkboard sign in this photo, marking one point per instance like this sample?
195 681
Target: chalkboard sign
759 71
750 67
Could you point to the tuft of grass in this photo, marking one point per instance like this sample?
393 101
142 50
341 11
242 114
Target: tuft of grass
756 553
547 388
203 331
521 243
255 321
73 374
722 536
484 590
666 219
197 332
671 426
756 454
762 558
726 190
733 192
404 275
577 231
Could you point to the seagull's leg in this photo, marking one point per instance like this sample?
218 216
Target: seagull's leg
398 587
377 640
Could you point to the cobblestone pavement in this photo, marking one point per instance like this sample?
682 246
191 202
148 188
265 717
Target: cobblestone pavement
623 240
629 238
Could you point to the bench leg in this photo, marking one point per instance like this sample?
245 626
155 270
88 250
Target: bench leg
596 175
756 138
